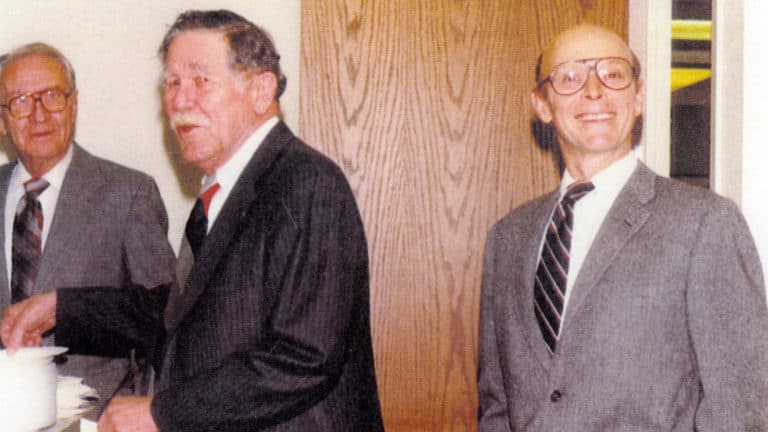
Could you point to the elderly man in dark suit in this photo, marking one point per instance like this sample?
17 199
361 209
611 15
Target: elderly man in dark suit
71 219
623 300
270 329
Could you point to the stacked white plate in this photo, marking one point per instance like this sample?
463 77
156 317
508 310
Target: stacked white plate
73 397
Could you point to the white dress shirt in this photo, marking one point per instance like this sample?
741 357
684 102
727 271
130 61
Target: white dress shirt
590 211
48 199
228 174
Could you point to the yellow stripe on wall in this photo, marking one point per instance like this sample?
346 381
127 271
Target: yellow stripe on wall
699 30
684 77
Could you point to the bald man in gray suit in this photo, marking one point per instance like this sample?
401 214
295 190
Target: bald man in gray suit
102 224
634 304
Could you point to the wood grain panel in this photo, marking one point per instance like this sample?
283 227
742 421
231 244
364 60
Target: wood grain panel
425 105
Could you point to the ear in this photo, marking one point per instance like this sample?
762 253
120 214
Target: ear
3 117
262 89
639 97
73 103
73 99
541 106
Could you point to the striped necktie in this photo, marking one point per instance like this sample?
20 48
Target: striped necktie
552 272
26 248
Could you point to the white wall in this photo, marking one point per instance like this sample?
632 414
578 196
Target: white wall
754 176
650 32
112 46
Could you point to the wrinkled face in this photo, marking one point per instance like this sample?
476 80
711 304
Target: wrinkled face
595 120
43 138
207 103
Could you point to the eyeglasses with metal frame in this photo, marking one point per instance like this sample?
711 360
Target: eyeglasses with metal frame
53 100
615 73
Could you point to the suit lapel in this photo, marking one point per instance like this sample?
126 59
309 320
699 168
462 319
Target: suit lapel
525 246
5 285
624 219
72 209
229 221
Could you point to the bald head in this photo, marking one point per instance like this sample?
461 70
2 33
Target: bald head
583 41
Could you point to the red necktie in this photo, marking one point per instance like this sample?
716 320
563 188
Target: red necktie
207 196
197 224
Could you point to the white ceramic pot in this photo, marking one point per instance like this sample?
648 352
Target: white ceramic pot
28 388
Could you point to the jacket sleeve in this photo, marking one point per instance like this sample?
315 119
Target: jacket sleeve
110 322
148 257
728 324
492 413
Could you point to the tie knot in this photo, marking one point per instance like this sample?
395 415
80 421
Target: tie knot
35 186
207 196
577 190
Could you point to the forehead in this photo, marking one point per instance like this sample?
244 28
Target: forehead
584 42
33 72
198 51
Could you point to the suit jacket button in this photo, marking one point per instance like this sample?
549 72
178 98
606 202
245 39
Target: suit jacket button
555 396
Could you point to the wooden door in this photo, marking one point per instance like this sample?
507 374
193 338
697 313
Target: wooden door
425 105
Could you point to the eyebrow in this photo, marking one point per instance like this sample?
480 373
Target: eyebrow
199 67
17 93
195 67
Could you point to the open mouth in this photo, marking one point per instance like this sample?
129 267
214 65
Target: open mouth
184 129
595 116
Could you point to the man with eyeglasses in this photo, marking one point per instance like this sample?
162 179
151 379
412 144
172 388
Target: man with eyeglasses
70 218
622 300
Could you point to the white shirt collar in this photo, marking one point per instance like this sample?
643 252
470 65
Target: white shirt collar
227 174
55 176
610 180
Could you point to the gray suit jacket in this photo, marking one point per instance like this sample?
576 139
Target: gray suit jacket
109 229
667 326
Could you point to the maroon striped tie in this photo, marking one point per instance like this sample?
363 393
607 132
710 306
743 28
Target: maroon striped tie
552 272
26 248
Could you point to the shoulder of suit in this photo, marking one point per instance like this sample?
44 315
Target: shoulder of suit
304 161
528 214
678 193
105 169
6 168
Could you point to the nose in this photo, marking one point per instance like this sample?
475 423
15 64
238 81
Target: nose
39 113
181 97
593 88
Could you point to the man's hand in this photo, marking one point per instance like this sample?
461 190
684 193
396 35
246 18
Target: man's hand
128 413
24 323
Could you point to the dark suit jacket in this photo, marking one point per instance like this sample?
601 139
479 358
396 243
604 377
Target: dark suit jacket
271 331
667 328
109 229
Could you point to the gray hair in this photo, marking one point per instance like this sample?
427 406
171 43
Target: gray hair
251 48
43 49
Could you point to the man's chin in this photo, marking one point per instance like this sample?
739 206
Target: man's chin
195 157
